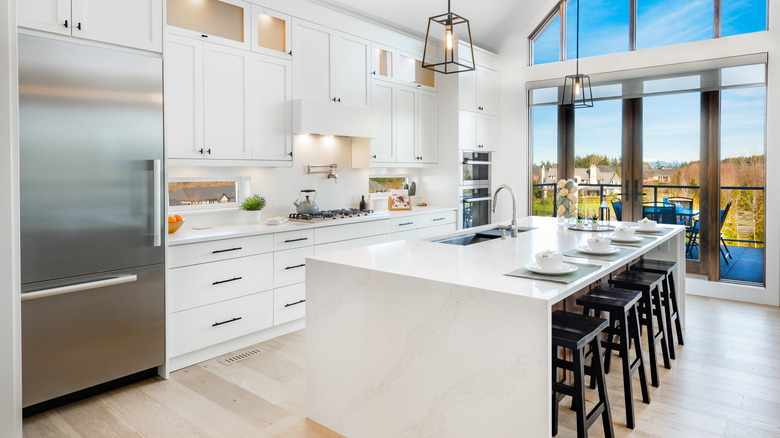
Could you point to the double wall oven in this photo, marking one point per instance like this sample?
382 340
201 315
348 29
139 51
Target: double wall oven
475 194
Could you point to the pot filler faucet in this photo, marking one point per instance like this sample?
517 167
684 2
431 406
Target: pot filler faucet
513 226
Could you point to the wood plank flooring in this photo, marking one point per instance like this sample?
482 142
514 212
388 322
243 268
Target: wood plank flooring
724 383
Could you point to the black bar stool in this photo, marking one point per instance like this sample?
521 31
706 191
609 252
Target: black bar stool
649 284
621 305
668 295
576 332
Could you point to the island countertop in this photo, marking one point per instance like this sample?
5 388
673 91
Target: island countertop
484 265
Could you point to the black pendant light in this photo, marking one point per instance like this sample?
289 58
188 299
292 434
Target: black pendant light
576 88
442 53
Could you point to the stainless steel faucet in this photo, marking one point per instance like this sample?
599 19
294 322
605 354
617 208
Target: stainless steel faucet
513 226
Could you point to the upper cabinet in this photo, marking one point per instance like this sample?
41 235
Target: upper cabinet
478 91
271 32
411 72
130 23
330 65
223 22
382 62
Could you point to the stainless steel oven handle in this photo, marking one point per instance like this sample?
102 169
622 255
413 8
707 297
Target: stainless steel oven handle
476 199
79 287
157 212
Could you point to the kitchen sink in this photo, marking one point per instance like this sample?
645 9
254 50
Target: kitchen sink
470 239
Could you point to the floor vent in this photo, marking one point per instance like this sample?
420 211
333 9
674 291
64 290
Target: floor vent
237 357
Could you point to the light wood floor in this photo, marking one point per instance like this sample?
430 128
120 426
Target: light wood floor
724 383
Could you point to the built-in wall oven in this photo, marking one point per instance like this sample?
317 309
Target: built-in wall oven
475 206
475 169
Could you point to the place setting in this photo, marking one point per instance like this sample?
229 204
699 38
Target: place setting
598 248
549 265
626 236
649 226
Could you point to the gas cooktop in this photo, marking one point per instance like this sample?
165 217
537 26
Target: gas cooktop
332 214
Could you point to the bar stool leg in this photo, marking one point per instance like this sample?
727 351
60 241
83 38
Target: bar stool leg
555 394
648 321
613 323
668 317
579 389
658 312
598 371
633 318
673 298
625 341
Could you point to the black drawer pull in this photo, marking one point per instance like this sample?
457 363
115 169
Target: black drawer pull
296 240
439 219
225 322
225 281
296 266
406 223
227 250
297 302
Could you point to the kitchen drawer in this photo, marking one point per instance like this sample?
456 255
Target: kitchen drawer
350 244
439 229
293 239
201 327
198 285
290 266
203 252
337 233
403 223
403 235
289 303
435 219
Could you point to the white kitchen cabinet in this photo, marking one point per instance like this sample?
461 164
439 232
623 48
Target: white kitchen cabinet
271 32
477 131
224 22
406 125
383 103
427 126
478 91
270 102
424 225
289 303
411 72
183 84
330 65
130 23
382 62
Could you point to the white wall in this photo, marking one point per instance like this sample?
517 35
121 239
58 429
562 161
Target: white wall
10 326
514 52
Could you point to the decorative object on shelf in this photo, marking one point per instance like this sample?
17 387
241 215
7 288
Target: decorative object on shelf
399 200
252 208
175 222
441 53
576 88
568 192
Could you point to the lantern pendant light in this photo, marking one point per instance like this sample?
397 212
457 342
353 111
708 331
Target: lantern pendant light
442 50
576 88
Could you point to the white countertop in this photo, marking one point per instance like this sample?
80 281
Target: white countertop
187 234
484 264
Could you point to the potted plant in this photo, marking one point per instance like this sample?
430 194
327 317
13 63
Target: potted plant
580 217
594 222
252 207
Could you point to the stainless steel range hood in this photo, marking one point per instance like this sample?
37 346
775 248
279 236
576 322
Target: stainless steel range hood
331 118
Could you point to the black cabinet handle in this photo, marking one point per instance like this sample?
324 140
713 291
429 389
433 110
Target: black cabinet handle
200 151
296 266
78 26
373 72
227 250
66 24
204 35
290 53
339 100
334 99
419 86
226 281
225 322
289 153
439 219
405 223
373 156
296 240
297 302
481 108
208 151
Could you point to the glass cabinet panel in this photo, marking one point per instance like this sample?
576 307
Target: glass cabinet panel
411 70
271 32
382 63
211 17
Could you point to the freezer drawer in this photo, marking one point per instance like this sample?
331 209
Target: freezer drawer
76 340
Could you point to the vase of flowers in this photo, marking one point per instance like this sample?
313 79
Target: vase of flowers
252 208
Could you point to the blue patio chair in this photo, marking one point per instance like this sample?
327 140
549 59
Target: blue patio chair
618 207
692 237
723 214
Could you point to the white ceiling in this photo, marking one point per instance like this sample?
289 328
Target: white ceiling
490 20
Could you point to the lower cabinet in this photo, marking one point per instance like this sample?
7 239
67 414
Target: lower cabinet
289 303
424 225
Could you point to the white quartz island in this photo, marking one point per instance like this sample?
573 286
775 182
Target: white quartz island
423 339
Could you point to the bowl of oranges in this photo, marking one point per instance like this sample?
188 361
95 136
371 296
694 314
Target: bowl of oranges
174 223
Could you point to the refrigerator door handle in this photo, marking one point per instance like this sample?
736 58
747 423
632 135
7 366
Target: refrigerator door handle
79 287
157 170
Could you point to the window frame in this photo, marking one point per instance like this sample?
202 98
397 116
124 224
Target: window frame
241 184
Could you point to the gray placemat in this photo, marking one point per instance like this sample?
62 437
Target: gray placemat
645 240
608 257
583 269
663 231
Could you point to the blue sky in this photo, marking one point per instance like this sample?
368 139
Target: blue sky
671 131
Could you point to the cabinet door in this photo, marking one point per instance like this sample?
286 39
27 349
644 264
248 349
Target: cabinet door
313 48
467 91
47 15
406 125
223 22
410 71
467 130
350 71
427 126
131 23
382 62
271 32
183 85
487 134
383 103
271 108
487 82
225 77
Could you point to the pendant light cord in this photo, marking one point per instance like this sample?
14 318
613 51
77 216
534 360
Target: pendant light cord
578 37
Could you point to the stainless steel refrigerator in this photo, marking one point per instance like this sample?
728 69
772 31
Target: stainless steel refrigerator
91 150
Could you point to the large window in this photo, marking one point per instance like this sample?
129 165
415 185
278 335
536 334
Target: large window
603 27
667 22
547 44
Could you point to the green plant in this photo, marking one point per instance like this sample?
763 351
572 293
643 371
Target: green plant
594 218
580 217
253 203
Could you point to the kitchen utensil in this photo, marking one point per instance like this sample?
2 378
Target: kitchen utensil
307 206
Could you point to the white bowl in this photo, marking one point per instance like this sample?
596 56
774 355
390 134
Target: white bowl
624 232
552 260
599 244
646 225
